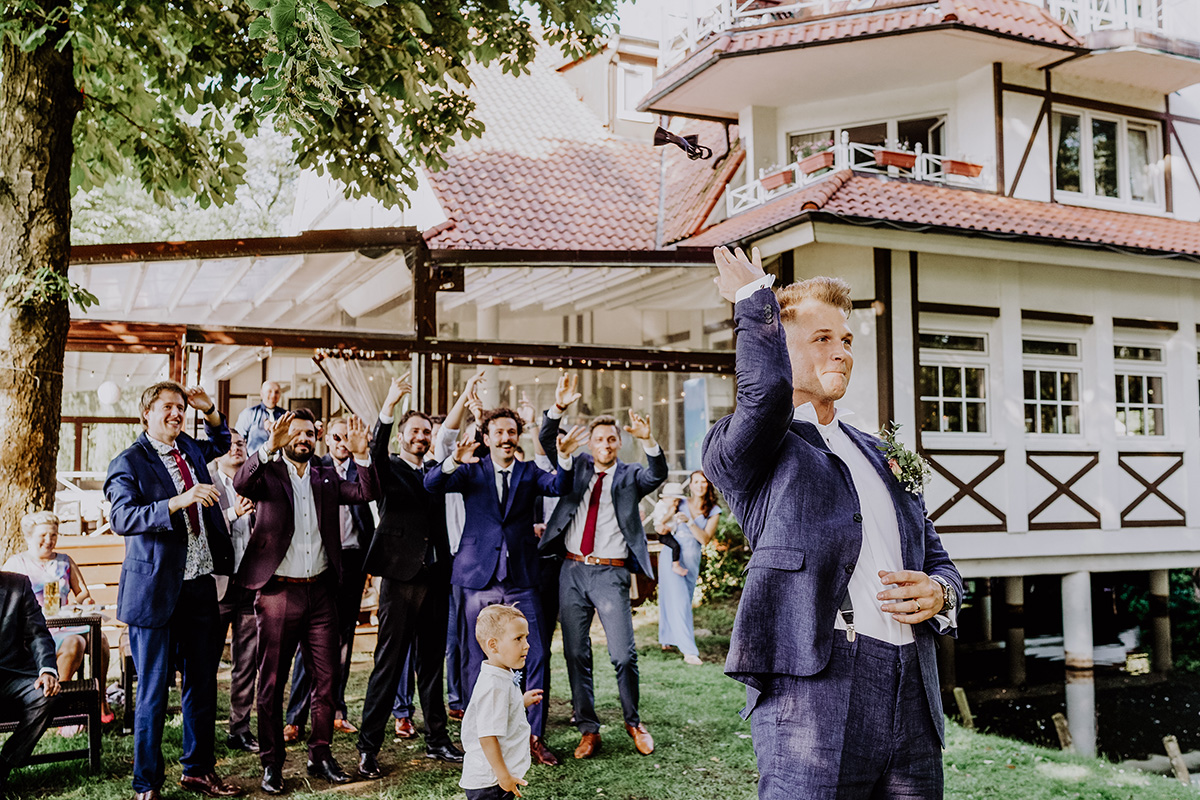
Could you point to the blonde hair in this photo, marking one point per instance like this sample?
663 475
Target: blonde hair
833 291
493 621
31 521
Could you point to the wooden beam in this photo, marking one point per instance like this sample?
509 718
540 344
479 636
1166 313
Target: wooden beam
998 100
1042 113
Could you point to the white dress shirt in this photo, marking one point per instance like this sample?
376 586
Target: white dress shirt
305 556
239 527
497 708
881 547
199 557
345 520
456 510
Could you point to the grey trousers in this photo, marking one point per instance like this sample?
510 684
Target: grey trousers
585 590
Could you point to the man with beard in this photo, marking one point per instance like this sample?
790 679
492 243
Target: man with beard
357 527
411 555
294 562
236 603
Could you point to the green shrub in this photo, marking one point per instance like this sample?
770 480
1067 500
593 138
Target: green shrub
724 560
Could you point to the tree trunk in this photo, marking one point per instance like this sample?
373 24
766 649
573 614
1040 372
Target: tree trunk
38 106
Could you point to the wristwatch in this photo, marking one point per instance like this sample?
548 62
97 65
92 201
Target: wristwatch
949 596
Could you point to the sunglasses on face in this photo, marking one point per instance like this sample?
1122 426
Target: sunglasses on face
338 437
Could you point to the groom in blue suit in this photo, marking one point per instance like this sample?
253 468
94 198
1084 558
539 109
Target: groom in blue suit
848 583
165 505
498 560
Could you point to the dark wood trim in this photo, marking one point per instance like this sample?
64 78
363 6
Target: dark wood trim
223 396
1152 489
105 336
1062 489
914 305
443 386
884 350
1049 133
1100 105
1145 324
386 345
967 488
862 304
579 356
998 100
424 301
1057 316
1167 128
679 257
426 364
1043 112
101 420
960 310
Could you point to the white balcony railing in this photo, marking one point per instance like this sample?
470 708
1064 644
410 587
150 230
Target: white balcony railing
1084 16
860 157
683 30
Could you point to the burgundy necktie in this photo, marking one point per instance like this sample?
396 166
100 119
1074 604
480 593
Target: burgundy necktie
589 527
192 512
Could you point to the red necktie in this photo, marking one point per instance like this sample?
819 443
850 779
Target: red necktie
192 512
589 528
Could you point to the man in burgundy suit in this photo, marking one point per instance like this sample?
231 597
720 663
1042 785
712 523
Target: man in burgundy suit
293 561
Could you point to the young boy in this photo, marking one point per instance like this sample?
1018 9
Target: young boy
495 731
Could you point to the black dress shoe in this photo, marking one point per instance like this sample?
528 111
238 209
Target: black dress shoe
329 770
368 766
272 782
444 752
242 741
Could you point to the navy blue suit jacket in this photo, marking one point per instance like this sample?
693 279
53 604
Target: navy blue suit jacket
139 486
26 647
798 508
487 524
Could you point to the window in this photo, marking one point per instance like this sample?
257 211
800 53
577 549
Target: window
1105 158
633 83
953 383
1051 386
929 132
1141 399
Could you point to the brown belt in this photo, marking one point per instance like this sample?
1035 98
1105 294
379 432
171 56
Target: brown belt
603 562
286 579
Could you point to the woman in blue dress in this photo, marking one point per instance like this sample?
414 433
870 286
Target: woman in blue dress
693 521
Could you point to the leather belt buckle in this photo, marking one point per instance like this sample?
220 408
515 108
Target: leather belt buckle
593 560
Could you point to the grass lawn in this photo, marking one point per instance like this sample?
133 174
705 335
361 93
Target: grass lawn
703 748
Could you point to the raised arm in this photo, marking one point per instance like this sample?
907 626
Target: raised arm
218 441
366 488
651 476
739 448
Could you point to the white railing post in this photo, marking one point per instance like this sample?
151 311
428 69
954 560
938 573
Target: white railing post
841 152
919 166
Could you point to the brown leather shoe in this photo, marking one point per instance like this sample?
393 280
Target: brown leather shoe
456 714
291 734
209 785
150 795
589 745
405 729
642 739
344 726
541 754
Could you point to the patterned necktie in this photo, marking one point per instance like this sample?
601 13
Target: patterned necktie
192 512
589 528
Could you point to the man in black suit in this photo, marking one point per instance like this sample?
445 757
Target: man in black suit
28 675
411 554
597 529
358 526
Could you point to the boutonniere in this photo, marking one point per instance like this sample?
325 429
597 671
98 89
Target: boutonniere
910 469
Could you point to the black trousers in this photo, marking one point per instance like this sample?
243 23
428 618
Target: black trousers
409 610
33 713
237 609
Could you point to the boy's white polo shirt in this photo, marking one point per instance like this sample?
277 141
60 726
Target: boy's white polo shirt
497 708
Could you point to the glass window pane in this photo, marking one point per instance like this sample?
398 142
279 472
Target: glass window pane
929 416
1104 157
1120 388
1030 418
1049 386
1030 384
1135 422
1071 420
976 382
1070 386
976 413
1154 390
945 341
1043 347
952 382
801 145
1137 353
1066 155
1122 427
1141 174
1154 421
929 381
952 417
1136 394
1050 419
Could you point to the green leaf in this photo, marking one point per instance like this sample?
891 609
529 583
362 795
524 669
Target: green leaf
259 29
340 30
283 20
416 15
260 5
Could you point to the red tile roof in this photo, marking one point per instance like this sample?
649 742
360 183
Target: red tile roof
858 197
1009 17
692 189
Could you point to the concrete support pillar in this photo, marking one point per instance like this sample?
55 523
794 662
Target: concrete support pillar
983 590
1077 642
1160 593
1014 600
487 329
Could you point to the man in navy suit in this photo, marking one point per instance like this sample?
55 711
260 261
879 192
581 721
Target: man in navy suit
358 526
848 583
597 528
28 673
165 505
497 561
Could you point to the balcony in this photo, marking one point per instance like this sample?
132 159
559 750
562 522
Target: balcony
890 160
1085 16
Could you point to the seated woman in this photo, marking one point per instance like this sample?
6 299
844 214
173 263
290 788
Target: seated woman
692 524
43 565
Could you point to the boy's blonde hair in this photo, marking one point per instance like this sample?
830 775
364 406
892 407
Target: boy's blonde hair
834 291
493 620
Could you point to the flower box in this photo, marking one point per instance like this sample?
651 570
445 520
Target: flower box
895 158
817 161
777 179
966 168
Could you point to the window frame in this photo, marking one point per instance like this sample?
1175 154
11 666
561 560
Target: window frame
1087 165
1144 369
892 123
1057 364
623 111
932 357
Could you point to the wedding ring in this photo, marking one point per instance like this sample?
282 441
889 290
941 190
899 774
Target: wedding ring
917 600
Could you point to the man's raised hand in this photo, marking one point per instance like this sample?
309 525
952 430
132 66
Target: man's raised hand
734 270
573 440
464 450
281 432
396 392
202 494
198 399
358 441
474 382
566 392
639 426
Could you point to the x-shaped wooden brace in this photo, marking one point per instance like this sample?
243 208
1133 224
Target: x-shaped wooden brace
1152 489
968 489
1062 489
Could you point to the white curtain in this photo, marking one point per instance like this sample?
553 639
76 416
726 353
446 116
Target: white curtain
362 385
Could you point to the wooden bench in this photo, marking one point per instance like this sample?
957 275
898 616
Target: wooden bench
78 701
